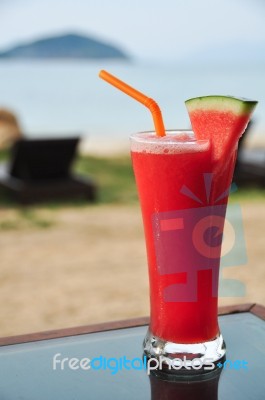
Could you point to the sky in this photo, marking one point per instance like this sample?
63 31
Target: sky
146 29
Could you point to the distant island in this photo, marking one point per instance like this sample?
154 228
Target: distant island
68 46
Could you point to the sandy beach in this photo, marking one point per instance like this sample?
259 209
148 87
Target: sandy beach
82 265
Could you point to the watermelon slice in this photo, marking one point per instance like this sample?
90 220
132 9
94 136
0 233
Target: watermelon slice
220 119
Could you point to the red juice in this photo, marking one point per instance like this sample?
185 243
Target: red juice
162 168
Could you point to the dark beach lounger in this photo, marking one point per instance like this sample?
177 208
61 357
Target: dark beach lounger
250 165
40 170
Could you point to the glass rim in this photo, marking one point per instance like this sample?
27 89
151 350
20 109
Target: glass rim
140 138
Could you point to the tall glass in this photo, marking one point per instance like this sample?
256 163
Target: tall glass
183 194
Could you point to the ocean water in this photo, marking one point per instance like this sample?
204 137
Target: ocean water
64 98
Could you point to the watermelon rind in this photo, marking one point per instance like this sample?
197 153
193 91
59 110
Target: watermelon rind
236 105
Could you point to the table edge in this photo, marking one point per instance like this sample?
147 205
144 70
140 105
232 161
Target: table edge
256 309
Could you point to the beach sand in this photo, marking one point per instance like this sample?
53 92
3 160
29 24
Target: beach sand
83 265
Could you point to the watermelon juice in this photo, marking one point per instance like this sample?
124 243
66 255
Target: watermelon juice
170 176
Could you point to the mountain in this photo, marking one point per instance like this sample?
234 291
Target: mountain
69 46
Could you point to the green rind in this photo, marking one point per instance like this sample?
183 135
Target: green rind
236 105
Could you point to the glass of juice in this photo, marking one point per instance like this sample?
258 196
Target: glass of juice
183 197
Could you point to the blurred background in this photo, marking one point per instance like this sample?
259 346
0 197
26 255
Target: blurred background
68 261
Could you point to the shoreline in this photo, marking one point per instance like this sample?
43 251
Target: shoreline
95 146
104 147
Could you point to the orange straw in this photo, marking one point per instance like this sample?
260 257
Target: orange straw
142 98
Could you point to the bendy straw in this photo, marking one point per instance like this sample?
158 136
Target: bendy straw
142 98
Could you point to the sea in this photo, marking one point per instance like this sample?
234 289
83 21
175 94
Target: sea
65 98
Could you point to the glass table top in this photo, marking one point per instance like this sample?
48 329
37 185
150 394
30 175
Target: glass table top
38 370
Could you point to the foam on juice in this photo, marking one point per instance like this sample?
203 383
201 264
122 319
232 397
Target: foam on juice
172 143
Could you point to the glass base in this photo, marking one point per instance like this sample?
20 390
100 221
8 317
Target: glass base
184 359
